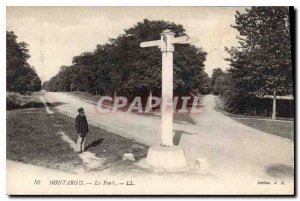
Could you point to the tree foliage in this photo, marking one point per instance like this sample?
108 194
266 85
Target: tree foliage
262 63
20 76
220 81
122 66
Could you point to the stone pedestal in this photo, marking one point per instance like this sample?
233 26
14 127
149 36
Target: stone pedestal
166 157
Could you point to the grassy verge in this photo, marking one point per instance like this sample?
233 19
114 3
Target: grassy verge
32 138
108 145
283 128
280 128
86 96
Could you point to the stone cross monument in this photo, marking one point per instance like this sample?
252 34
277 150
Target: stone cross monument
167 155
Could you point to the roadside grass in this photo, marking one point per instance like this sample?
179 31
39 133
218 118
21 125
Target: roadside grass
178 117
108 145
86 96
31 138
283 127
258 117
280 128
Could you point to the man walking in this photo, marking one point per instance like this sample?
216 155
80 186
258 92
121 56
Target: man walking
82 129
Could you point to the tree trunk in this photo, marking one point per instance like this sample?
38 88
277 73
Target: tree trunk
274 106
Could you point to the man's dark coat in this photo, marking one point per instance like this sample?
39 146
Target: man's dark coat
81 125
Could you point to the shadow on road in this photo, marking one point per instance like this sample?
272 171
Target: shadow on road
55 104
280 171
94 144
178 134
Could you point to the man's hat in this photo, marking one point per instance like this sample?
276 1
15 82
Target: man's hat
80 110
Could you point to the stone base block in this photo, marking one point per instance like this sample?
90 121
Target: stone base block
128 156
202 165
166 157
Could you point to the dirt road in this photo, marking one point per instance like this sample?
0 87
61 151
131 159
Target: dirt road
234 151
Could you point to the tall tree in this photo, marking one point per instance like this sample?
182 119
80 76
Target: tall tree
20 76
217 72
222 83
262 64
122 66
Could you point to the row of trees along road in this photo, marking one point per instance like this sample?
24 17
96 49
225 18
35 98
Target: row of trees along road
123 67
20 76
262 63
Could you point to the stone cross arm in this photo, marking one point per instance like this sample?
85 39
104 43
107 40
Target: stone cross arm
180 40
150 43
183 40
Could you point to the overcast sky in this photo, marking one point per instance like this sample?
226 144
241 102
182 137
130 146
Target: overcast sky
56 34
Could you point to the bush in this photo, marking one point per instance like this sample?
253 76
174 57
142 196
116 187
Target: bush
18 101
239 103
